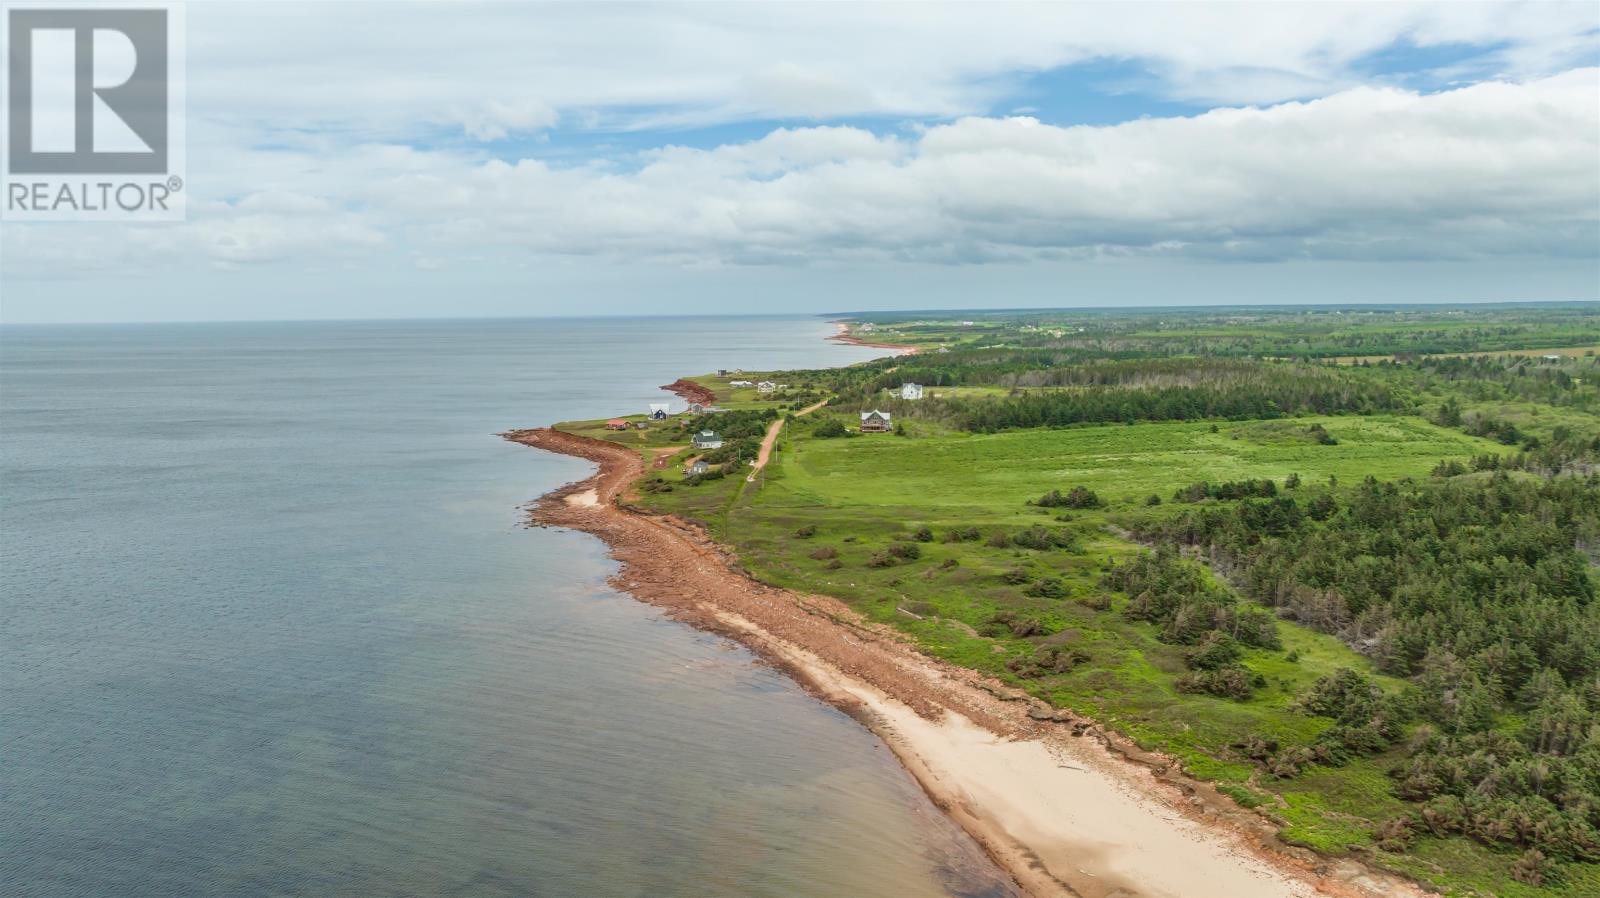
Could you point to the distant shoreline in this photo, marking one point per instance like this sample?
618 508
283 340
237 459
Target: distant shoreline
1066 807
844 336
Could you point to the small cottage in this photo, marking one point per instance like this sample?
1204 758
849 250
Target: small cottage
616 424
875 422
699 466
658 411
911 391
707 439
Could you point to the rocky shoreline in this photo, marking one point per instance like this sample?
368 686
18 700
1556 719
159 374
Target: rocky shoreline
1065 806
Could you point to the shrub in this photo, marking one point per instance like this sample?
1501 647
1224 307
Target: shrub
1040 537
907 551
1217 650
922 535
806 532
1046 661
1047 588
1077 497
1152 499
1532 868
1015 576
880 559
1095 601
1007 622
1233 681
825 553
830 429
998 540
962 535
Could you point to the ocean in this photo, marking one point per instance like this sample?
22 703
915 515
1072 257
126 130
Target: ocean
271 625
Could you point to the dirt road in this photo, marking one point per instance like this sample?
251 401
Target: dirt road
771 439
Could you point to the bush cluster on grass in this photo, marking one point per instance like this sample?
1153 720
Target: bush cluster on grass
1010 623
1047 588
1237 489
1046 661
1041 538
1077 497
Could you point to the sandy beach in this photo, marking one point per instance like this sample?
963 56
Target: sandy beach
1067 808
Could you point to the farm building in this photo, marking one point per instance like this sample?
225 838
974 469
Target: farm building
911 391
658 411
616 424
699 466
766 386
707 439
875 422
741 383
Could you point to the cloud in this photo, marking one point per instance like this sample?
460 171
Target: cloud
1492 170
631 66
1489 170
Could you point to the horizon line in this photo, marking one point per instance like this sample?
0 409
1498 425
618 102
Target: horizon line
831 315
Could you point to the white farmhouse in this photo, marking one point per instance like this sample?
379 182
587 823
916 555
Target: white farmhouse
707 439
911 391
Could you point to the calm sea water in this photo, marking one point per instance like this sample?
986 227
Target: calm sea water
269 625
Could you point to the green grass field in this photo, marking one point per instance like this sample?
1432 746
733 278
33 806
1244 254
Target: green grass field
1000 471
826 508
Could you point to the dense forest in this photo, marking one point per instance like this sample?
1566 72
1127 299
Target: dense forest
1477 589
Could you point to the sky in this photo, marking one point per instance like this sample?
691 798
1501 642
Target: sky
391 160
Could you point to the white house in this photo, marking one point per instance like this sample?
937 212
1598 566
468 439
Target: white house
911 391
875 422
766 386
658 411
740 383
707 439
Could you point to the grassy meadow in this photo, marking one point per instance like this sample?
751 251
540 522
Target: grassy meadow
827 515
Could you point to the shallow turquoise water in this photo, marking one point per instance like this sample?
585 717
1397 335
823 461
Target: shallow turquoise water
269 625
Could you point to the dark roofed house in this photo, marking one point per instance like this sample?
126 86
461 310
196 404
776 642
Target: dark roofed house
875 422
707 439
699 466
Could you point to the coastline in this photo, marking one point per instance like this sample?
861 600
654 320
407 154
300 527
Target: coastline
843 335
1063 805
